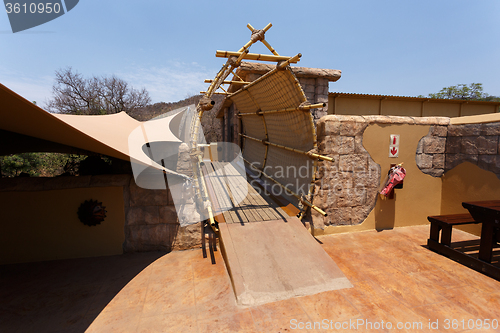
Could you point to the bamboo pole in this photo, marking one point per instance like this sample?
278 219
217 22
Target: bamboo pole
213 225
263 77
294 59
269 47
229 82
316 208
237 76
221 76
300 108
247 45
310 155
257 56
215 93
267 27
225 91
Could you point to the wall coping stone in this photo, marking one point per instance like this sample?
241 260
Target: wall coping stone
378 119
303 72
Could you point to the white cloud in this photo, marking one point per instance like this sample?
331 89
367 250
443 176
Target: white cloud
170 83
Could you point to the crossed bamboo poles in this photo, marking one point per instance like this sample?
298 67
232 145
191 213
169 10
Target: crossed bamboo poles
206 104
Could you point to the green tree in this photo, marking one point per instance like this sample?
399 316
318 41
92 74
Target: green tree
14 165
473 91
40 164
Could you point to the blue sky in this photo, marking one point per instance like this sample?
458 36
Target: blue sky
382 47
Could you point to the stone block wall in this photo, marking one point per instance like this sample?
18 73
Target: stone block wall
316 90
430 155
347 188
151 222
446 147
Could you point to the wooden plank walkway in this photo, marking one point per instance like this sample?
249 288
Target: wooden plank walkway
235 200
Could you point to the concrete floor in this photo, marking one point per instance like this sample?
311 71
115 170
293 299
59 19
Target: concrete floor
396 280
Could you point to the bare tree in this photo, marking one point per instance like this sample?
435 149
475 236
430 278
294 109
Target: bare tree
74 94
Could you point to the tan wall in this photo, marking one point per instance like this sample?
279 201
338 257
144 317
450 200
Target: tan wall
467 182
353 106
421 194
413 108
401 108
440 109
44 225
471 109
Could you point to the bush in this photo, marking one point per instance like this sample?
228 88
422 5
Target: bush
40 164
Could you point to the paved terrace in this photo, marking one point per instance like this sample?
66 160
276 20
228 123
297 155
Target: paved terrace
395 278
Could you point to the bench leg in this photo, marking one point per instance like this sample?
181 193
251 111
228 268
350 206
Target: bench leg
435 229
446 235
487 241
203 244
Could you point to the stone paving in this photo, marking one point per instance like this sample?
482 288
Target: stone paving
396 280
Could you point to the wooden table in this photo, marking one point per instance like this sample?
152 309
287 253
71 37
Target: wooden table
487 213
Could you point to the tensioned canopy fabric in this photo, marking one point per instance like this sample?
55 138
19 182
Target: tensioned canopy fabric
107 134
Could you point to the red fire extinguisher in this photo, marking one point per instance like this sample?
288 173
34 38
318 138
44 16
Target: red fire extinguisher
396 175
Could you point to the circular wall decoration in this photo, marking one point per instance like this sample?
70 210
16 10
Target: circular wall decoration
91 212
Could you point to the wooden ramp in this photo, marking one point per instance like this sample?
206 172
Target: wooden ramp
269 255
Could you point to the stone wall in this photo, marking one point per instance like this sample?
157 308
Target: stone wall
151 222
430 156
316 90
345 189
446 147
212 126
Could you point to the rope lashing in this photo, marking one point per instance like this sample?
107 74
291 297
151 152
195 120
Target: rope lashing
257 35
206 103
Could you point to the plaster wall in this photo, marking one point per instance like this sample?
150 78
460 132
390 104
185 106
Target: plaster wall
43 225
471 109
421 194
441 109
400 108
468 182
448 161
38 219
353 106
362 105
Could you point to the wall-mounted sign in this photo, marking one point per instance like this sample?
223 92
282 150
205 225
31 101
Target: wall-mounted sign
394 146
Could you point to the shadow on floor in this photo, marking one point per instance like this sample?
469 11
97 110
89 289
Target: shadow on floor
64 295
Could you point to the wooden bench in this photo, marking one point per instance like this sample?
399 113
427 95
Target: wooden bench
444 224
